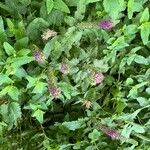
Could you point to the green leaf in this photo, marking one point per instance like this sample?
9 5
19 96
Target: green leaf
145 31
14 111
35 27
31 82
4 91
39 87
19 61
49 5
13 92
109 6
23 52
94 136
68 90
73 125
148 90
138 128
60 5
5 79
38 114
141 60
9 49
145 16
130 8
3 36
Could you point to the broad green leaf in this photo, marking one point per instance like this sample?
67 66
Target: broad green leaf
35 27
73 125
13 92
60 5
142 101
39 87
14 111
9 49
138 128
21 43
145 16
19 61
141 60
148 90
129 81
31 82
101 65
94 136
4 91
145 31
5 79
23 52
130 8
109 6
49 5
38 114
67 89
81 7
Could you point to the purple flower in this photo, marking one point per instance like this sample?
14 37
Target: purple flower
39 56
64 68
106 24
53 89
97 77
111 132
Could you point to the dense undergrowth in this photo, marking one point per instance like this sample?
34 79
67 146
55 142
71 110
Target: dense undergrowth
75 74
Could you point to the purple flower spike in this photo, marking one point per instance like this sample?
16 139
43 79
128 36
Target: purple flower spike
54 91
111 132
106 24
98 77
38 56
64 68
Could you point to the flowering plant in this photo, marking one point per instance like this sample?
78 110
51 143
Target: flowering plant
74 74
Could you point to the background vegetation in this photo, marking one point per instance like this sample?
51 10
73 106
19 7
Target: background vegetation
75 74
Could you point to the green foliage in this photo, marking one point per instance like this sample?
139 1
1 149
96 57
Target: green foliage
68 80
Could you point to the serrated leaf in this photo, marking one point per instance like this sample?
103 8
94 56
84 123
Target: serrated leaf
73 125
38 114
14 111
49 5
60 5
67 89
145 15
94 136
109 6
39 87
5 79
13 92
9 49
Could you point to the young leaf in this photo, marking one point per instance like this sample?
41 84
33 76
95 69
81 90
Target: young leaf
49 5
130 8
60 5
38 114
145 31
94 136
5 79
145 16
9 49
13 92
109 6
